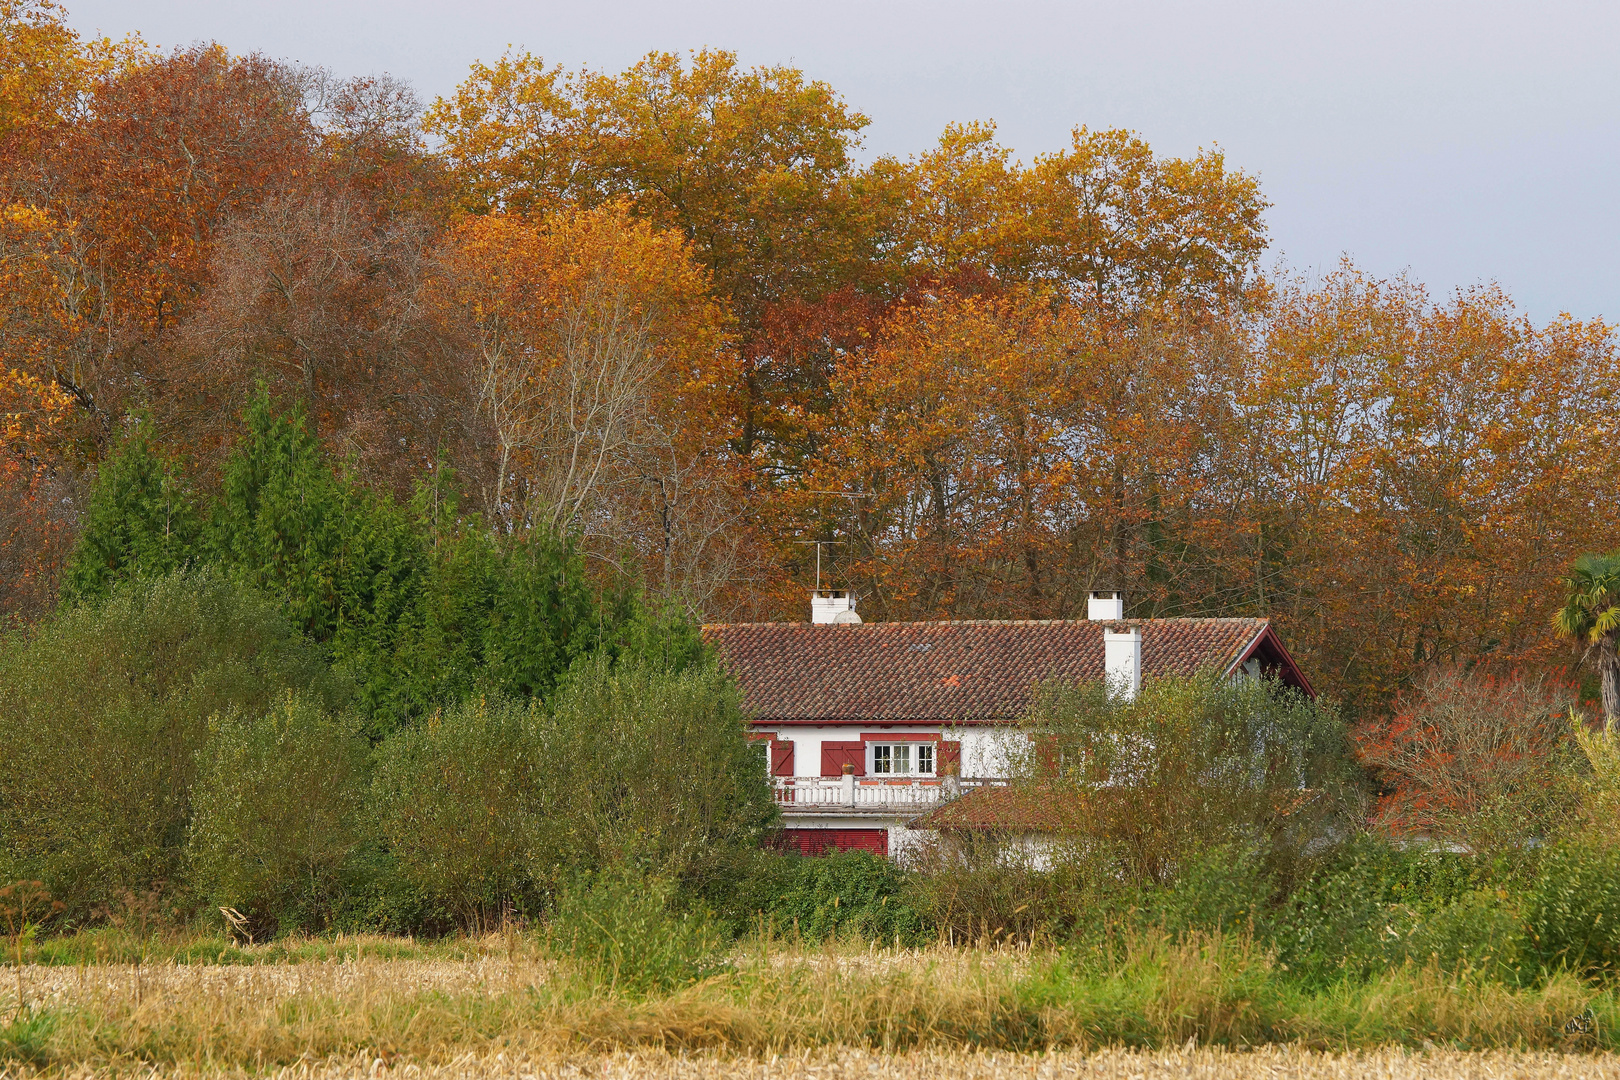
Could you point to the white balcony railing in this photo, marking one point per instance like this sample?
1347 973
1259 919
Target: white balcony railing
871 792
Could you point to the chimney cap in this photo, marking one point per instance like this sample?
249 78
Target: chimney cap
1105 607
833 606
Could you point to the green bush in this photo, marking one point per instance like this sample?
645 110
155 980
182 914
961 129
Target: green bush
455 799
102 711
276 812
648 769
1572 911
1226 888
625 931
971 888
1147 783
841 894
1370 905
847 893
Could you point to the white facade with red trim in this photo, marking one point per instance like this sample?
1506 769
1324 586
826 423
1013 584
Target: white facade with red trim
875 763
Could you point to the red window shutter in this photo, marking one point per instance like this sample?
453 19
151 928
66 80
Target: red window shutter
949 758
835 755
781 759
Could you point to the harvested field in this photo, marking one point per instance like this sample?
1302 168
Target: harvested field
1269 1063
790 1012
151 984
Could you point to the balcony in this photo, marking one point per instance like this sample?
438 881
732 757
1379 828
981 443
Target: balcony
865 793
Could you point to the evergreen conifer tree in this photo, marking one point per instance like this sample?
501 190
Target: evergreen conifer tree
142 521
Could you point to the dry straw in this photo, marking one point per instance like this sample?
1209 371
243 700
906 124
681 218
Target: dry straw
1158 993
1272 1063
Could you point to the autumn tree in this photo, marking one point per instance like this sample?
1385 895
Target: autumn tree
943 461
594 359
40 327
167 151
1115 221
35 521
1474 758
1105 220
1147 264
1415 470
1001 456
310 295
47 72
752 167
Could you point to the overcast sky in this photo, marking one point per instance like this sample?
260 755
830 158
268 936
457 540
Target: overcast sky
1462 142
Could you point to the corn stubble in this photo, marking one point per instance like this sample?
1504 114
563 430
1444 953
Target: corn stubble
786 1012
1202 1064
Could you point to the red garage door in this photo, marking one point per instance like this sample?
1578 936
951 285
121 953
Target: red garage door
820 841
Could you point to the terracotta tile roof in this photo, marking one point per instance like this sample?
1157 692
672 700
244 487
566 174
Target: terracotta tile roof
958 671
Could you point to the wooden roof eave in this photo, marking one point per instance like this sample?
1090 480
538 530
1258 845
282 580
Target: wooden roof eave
1268 636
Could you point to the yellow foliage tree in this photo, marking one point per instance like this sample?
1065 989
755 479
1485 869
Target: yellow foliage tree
597 361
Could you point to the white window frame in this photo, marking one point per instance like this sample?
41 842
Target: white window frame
914 750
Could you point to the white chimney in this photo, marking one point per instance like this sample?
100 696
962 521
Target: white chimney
1105 607
833 607
1122 661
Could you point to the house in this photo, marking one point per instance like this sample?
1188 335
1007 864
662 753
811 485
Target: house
867 725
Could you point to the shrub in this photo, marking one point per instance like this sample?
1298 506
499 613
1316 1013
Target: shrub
1572 911
493 804
102 710
623 930
276 812
1189 763
1475 758
1370 905
1599 790
1222 889
972 892
841 894
969 890
455 799
648 769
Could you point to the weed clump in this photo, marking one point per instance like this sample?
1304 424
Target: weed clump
626 934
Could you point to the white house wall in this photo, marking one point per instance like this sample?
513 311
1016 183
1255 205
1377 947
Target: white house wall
986 751
991 752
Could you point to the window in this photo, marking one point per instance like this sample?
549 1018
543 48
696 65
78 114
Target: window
903 759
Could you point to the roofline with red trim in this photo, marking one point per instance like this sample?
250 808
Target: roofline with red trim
1269 633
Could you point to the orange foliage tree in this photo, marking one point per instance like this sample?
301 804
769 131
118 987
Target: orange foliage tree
35 516
593 359
668 309
1398 483
1474 758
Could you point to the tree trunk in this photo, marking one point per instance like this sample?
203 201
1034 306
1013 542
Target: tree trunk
1609 678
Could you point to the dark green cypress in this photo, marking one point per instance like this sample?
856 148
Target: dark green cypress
141 522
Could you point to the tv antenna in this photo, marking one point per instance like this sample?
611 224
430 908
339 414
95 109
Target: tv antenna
851 495
818 544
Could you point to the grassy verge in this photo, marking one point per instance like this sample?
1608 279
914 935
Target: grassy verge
115 946
1153 992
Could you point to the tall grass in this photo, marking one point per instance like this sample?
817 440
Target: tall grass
1144 989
